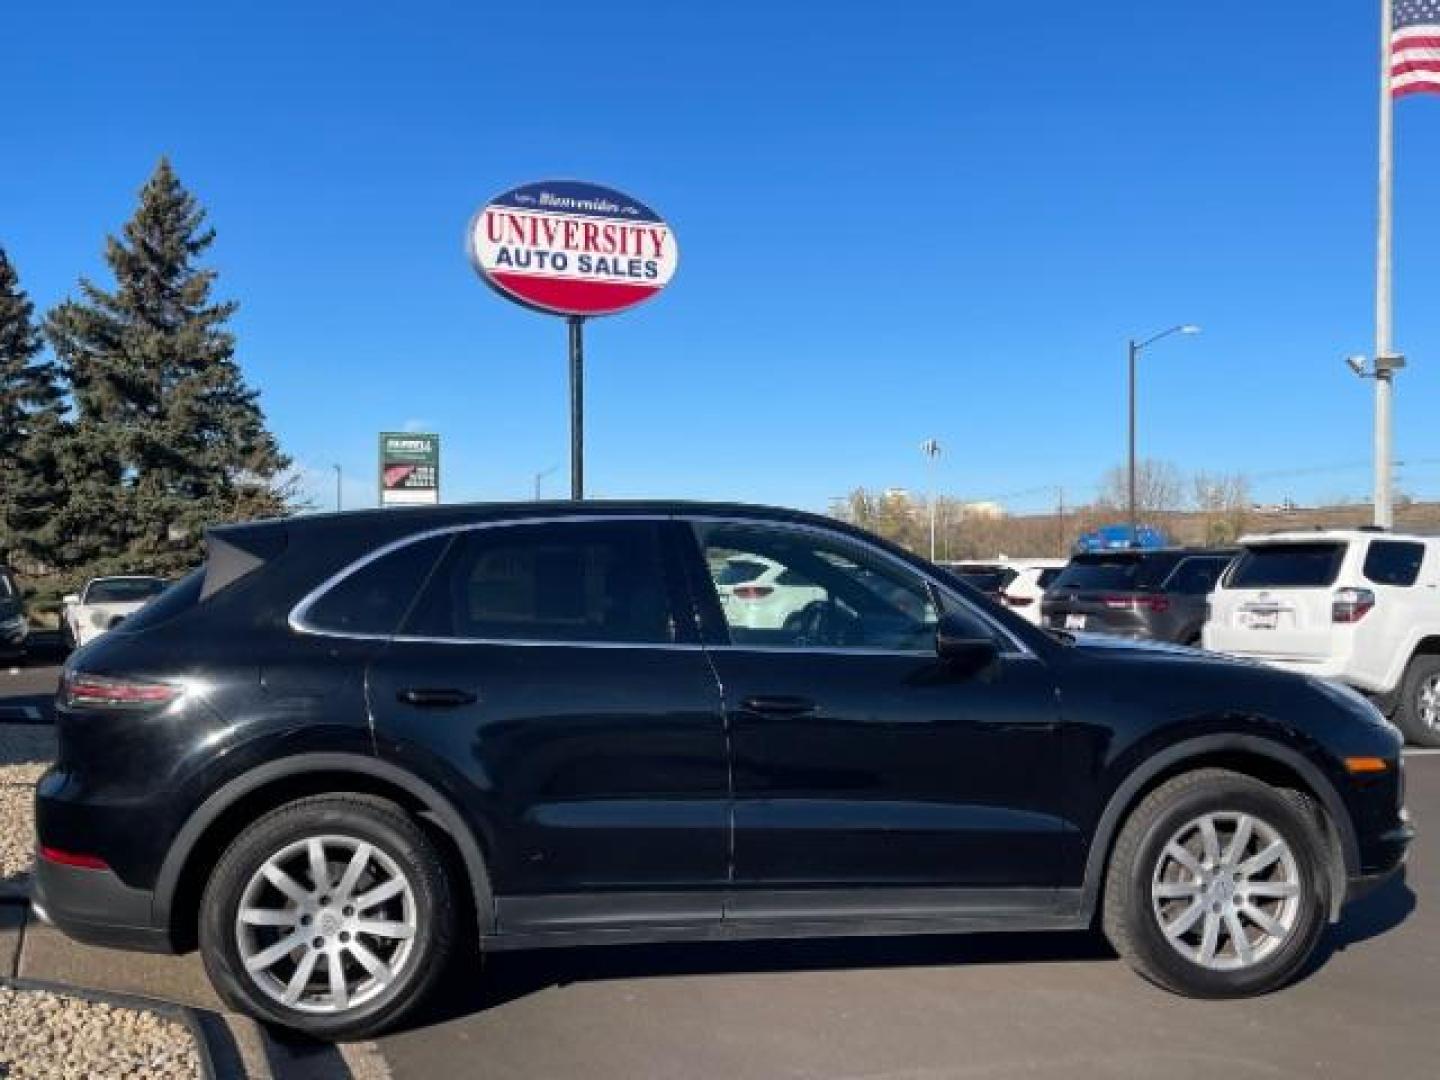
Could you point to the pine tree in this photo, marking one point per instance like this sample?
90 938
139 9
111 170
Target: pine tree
32 433
168 439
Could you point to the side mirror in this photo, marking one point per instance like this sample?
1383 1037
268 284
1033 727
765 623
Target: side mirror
955 642
70 598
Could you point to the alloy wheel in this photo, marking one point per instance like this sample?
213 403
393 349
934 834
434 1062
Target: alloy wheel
1429 709
326 924
1226 890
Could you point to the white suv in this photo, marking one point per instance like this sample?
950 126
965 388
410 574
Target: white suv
1358 605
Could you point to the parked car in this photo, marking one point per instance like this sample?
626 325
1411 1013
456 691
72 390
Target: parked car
989 578
14 629
1140 594
347 733
103 603
1356 605
760 593
1025 591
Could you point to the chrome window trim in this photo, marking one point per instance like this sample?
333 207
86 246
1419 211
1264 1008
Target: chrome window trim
296 618
1018 649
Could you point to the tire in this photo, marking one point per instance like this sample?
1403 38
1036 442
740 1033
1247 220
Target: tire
409 931
1422 674
1141 860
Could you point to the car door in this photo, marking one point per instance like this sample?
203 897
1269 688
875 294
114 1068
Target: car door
860 759
543 672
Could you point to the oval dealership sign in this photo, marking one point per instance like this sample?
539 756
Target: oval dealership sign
571 248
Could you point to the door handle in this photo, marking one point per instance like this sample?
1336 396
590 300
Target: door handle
779 705
435 698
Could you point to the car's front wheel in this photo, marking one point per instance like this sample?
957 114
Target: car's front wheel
1217 885
331 915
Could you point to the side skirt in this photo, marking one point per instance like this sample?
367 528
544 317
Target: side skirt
615 919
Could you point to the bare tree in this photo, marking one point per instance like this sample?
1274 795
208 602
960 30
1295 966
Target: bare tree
1158 488
1224 502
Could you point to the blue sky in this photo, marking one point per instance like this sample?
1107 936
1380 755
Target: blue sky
896 221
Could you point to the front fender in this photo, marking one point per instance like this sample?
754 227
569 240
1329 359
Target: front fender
1128 792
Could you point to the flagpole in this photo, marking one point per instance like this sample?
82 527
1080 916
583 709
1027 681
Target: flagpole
1384 375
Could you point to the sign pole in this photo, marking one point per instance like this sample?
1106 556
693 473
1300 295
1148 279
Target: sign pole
577 407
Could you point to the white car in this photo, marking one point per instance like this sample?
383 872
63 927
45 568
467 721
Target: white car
761 594
105 602
1023 592
1358 605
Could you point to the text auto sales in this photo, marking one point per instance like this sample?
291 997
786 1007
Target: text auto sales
613 249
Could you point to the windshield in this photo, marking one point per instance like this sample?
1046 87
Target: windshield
123 590
1287 566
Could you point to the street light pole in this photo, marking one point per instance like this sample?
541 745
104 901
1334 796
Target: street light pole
1136 348
540 476
1134 517
931 449
337 487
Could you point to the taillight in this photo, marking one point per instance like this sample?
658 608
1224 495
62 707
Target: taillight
1141 602
73 858
1017 601
752 592
79 690
1351 605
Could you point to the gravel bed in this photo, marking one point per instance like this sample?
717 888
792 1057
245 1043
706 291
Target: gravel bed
25 752
55 1037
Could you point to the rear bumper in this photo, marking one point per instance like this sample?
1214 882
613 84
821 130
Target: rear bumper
96 907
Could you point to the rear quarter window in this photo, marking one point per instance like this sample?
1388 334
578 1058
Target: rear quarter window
372 599
1394 562
1287 566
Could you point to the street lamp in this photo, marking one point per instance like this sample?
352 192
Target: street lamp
1136 348
931 449
337 487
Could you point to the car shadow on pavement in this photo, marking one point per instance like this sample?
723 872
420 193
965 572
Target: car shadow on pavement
510 976
1368 917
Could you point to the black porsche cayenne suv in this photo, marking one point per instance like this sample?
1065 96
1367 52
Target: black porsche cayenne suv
351 742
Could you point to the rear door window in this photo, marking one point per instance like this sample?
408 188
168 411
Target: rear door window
1287 566
1048 576
1394 562
560 582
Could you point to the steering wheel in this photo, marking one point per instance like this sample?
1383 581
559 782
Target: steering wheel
824 623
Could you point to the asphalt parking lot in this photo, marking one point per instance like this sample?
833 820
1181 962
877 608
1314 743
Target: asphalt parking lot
922 1008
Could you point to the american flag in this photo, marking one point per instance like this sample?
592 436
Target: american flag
1415 48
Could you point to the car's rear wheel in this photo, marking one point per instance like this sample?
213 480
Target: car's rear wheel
331 915
1217 885
1418 712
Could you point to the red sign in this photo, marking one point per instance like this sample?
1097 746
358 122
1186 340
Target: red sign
571 248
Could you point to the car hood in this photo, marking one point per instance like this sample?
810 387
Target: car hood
1102 644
